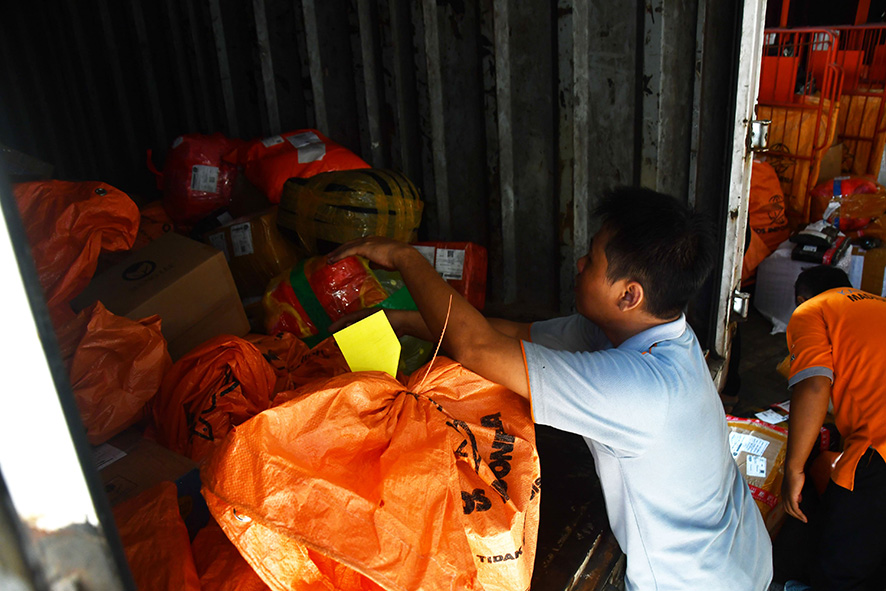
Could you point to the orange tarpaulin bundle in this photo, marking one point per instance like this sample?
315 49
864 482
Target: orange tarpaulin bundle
766 218
219 564
155 540
425 486
68 225
295 364
115 367
215 387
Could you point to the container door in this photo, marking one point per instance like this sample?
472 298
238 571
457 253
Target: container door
750 51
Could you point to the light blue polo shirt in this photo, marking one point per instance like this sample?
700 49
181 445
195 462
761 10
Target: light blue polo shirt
651 416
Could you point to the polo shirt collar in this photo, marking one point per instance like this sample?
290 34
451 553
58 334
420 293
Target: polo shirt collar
650 337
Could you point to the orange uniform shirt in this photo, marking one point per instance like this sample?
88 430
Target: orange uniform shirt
841 334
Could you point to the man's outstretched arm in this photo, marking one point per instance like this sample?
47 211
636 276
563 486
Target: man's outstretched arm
809 405
470 338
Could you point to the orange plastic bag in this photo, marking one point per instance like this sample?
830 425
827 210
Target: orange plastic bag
115 367
68 225
219 564
215 387
155 540
268 163
766 218
427 486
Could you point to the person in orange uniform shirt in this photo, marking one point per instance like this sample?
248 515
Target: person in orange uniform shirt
835 339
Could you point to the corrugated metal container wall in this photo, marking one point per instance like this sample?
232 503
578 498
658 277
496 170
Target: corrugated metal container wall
510 115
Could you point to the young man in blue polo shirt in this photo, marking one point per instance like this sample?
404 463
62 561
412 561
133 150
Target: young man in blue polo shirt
628 375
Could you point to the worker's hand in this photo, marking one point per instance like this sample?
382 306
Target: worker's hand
384 252
792 493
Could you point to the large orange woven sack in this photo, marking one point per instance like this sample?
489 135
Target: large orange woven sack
268 163
68 225
430 485
115 367
215 387
155 540
219 564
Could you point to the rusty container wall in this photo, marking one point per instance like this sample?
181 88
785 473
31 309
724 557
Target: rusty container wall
510 115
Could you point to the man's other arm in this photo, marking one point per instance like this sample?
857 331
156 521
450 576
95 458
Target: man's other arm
809 406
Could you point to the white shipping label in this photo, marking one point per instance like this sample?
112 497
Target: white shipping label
771 417
219 242
754 445
106 454
204 178
310 147
428 252
451 263
756 466
241 238
735 441
785 406
272 141
742 442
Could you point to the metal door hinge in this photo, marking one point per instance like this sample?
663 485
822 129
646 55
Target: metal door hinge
758 135
741 303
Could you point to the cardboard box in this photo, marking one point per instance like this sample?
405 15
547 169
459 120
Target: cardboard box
256 253
867 270
831 164
129 464
186 282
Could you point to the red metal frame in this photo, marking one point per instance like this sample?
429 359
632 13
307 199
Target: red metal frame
800 86
861 52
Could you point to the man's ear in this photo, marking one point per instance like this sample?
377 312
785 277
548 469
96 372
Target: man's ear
632 296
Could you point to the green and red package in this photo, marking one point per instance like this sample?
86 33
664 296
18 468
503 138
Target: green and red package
307 298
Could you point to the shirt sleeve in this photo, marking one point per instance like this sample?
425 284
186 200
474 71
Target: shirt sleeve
614 396
569 333
809 345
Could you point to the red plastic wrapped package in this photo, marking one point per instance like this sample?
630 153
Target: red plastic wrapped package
462 265
68 225
823 192
196 180
212 389
268 163
115 366
306 299
364 482
155 539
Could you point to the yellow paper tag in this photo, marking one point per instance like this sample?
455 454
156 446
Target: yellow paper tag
370 345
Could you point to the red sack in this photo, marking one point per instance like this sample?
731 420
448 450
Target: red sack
196 180
155 540
424 486
215 387
268 163
821 194
115 366
219 564
68 225
462 265
306 299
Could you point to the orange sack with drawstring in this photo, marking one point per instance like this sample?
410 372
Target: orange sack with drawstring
362 483
68 225
295 364
155 540
216 386
115 367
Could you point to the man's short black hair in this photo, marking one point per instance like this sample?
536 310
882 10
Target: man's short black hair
659 242
819 279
